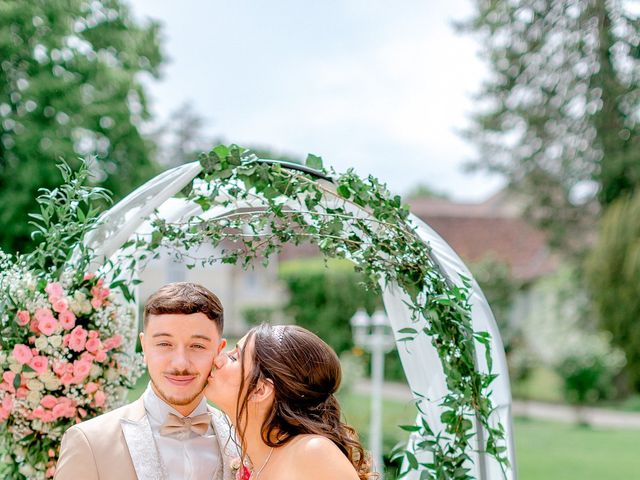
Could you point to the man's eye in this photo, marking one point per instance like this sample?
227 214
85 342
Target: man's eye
197 345
163 344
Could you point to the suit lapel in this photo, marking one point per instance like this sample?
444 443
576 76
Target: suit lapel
226 444
141 445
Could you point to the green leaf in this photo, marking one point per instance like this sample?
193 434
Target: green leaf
313 161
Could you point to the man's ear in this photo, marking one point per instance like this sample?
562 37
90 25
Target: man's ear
141 337
223 343
263 391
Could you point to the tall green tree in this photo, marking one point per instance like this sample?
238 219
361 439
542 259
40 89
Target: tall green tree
557 116
613 275
70 86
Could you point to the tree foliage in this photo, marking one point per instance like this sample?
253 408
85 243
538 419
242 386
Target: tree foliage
613 275
70 87
558 115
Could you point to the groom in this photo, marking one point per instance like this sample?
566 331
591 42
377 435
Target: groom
169 433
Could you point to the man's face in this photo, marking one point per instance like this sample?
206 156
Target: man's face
179 350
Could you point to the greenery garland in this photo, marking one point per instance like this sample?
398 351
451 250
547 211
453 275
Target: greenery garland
290 205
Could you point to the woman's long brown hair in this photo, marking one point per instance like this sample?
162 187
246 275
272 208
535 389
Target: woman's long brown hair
305 373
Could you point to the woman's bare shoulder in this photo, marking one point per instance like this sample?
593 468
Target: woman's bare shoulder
320 458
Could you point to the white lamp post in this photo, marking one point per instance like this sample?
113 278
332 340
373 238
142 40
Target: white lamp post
374 335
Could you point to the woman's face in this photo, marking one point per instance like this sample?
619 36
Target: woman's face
223 387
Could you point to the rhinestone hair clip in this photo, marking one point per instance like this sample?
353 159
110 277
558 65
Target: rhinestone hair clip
278 333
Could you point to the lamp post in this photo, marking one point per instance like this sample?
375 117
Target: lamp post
373 334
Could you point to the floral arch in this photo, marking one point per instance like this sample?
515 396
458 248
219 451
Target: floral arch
448 341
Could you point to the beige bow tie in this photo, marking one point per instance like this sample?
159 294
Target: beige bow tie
175 425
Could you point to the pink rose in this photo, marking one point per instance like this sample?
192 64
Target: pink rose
113 342
67 379
22 353
79 332
22 392
43 314
59 367
48 401
8 377
54 289
80 370
51 471
92 345
37 412
48 417
39 363
60 305
101 356
67 319
76 343
99 398
48 326
22 318
77 339
94 334
91 387
89 276
7 402
96 302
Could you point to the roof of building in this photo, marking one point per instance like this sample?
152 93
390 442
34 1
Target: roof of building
476 231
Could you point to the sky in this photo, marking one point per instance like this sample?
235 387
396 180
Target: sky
379 86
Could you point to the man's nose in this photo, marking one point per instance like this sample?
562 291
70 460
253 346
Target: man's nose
180 359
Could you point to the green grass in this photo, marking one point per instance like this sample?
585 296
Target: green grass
544 450
553 451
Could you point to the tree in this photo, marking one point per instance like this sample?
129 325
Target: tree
559 111
70 87
613 277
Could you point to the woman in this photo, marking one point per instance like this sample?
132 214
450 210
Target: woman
277 386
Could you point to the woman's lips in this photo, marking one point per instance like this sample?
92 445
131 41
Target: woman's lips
180 381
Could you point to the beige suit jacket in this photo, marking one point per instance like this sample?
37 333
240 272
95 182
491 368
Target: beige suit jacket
119 445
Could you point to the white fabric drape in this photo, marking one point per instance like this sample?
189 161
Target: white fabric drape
419 358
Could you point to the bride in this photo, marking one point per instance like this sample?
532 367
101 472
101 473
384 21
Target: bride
277 386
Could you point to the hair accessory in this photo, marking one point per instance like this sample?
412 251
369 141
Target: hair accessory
278 333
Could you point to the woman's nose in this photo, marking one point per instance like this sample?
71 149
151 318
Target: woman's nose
220 360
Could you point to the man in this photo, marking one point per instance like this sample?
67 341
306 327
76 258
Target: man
169 433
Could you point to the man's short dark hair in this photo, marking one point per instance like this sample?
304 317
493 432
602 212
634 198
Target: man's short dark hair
185 298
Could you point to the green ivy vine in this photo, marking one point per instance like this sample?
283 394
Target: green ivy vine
355 218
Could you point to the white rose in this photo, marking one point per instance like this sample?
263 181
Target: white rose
34 398
29 374
111 374
35 384
95 371
26 470
41 343
55 341
15 367
52 384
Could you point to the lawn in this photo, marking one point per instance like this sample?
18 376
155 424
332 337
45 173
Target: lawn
544 450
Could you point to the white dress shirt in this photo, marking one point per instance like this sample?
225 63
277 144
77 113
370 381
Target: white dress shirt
187 456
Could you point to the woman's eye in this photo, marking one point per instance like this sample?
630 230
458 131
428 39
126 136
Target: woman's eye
232 356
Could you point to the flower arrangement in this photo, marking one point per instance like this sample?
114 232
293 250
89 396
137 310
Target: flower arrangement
65 338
